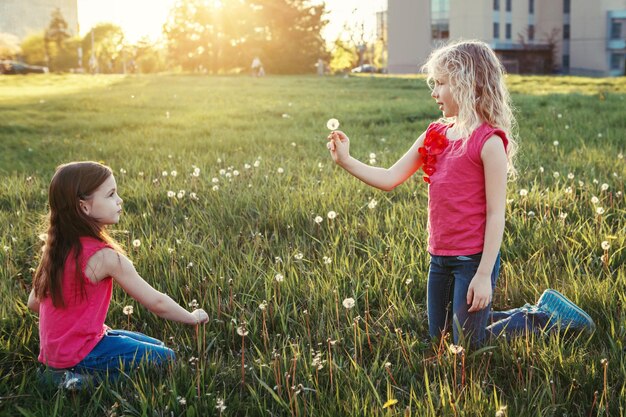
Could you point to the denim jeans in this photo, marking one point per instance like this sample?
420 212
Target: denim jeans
121 350
449 278
519 322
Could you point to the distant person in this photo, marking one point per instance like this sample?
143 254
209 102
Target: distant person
73 283
257 67
321 68
466 157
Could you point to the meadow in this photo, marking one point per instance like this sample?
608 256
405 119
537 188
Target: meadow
232 203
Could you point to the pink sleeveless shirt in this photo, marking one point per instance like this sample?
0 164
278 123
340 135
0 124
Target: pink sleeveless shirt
68 334
457 205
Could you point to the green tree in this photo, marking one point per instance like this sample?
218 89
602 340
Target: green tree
34 50
9 46
56 33
108 47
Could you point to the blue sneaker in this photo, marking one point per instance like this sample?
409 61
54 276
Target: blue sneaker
564 313
64 378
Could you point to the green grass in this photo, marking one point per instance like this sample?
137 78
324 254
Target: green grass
221 248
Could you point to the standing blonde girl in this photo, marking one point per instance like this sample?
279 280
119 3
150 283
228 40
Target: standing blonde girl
465 157
73 283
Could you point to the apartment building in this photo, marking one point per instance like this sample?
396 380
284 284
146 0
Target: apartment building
23 17
580 37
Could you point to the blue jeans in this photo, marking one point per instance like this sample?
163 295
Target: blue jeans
449 278
121 350
519 322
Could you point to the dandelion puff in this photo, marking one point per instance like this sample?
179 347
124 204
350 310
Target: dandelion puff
408 281
127 310
279 277
604 186
559 115
181 400
257 163
456 349
236 173
263 305
555 143
562 215
595 200
278 259
372 204
280 170
219 404
348 303
164 174
194 304
216 187
523 192
332 124
173 173
605 245
556 174
327 259
171 194
298 256
180 194
136 243
318 219
193 196
331 215
242 331
531 213
570 176
600 210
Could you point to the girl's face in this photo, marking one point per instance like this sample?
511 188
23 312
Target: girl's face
442 95
104 205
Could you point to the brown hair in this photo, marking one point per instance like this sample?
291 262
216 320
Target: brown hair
66 224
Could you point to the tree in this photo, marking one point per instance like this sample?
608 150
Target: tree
108 46
56 33
9 46
34 50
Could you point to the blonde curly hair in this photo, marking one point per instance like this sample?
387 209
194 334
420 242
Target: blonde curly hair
476 79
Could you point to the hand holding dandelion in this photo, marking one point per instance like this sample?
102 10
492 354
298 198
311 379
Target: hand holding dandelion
200 315
338 143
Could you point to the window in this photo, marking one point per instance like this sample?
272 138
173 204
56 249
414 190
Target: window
531 32
616 30
566 31
531 6
496 30
496 5
566 62
566 6
616 61
508 5
507 29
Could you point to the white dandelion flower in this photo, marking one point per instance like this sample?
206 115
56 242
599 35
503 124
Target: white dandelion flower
523 192
348 303
332 124
600 210
171 194
279 277
595 200
136 243
331 214
173 173
605 245
298 256
216 187
604 186
318 219
242 331
555 143
280 170
372 204
127 310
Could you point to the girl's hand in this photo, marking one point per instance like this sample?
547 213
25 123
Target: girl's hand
339 146
200 315
479 292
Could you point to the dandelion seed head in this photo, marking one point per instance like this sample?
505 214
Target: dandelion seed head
136 243
242 331
555 143
604 186
279 277
600 210
127 310
348 303
523 192
280 170
605 245
331 215
298 256
595 200
318 219
332 124
171 194
372 204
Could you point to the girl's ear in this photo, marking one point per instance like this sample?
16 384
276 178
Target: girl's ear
84 207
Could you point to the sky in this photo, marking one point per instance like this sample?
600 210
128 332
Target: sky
140 18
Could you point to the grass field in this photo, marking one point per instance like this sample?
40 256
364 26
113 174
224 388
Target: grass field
222 179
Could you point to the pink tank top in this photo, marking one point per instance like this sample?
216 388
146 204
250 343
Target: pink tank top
457 205
68 334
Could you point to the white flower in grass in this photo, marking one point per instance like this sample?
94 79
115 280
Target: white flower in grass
194 304
127 310
327 259
215 180
164 174
556 174
193 196
595 181
257 163
580 183
562 215
222 171
559 115
6 248
523 192
171 194
408 281
318 219
247 166
263 305
236 173
372 204
600 210
219 160
331 215
181 400
541 169
140 173
278 259
219 404
136 243
604 186
279 277
181 194
372 161
216 187
555 143
569 190
456 349
242 331
196 172
173 173
570 176
280 170
372 155
595 200
332 124
348 303
293 144
298 256
620 156
122 171
228 175
599 135
531 213
605 245
286 116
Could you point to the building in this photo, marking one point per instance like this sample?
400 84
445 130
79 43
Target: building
578 37
23 17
